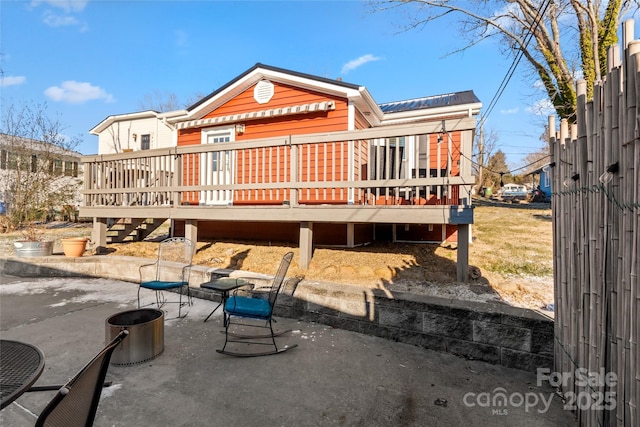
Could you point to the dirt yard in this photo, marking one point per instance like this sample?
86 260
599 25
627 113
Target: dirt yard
511 258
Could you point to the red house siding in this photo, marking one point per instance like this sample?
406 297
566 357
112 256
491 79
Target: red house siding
314 160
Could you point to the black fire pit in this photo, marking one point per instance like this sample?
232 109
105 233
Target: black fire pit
146 335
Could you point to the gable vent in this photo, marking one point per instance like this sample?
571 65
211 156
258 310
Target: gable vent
263 92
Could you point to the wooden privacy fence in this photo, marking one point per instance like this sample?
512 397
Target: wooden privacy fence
596 220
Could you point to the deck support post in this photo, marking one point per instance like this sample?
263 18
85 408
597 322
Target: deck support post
351 239
99 235
463 252
306 244
191 230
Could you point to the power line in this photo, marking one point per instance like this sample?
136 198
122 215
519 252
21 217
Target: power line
514 64
509 172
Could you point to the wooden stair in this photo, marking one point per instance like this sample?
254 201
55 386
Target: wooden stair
131 229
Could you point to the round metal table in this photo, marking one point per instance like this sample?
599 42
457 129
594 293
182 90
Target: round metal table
20 366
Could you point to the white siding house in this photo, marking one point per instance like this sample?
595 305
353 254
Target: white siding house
145 130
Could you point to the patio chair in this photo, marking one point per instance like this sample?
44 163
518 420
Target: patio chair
76 403
170 272
258 307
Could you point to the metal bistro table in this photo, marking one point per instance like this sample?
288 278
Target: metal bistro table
223 286
20 366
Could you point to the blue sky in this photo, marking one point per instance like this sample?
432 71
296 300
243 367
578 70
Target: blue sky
91 59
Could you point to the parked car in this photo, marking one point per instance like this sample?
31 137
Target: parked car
511 192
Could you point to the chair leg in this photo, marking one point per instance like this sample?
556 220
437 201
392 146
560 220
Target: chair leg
160 299
251 339
226 330
273 337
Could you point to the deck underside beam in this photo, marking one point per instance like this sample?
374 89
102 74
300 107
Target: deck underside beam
341 214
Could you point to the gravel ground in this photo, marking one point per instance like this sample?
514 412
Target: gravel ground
415 268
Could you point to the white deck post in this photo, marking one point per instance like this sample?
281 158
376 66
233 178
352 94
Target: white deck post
306 244
191 230
463 252
99 235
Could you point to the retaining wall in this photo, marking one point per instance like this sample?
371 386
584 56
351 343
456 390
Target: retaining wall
492 332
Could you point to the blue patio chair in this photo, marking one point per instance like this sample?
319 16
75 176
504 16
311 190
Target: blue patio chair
171 271
76 403
257 306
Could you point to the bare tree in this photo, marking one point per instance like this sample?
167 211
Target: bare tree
542 31
114 132
160 102
536 159
164 102
38 166
483 148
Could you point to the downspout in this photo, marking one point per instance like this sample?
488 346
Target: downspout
351 149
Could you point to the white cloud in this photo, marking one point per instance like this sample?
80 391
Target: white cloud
53 20
510 111
355 63
543 107
77 92
538 84
12 81
60 13
66 5
182 38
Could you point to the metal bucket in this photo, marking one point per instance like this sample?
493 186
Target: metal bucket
146 335
25 248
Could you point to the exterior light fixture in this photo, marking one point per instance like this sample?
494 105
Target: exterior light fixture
567 182
239 129
134 136
607 176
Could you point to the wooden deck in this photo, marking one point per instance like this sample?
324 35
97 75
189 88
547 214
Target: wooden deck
394 174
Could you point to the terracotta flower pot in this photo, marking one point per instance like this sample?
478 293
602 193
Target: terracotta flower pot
74 246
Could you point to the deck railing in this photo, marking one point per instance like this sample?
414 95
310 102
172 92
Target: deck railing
418 164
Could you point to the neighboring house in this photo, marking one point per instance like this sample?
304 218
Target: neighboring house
23 155
278 155
543 175
144 130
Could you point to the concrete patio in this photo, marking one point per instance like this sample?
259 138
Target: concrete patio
333 377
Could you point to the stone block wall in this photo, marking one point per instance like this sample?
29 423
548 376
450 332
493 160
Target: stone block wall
492 332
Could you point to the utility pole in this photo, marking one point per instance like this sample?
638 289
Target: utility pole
480 158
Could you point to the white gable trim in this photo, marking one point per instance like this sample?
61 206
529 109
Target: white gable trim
360 96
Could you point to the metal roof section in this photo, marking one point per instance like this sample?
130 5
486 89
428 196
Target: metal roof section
464 103
436 101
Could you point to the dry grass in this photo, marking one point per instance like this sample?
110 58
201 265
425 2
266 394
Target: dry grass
511 248
513 241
